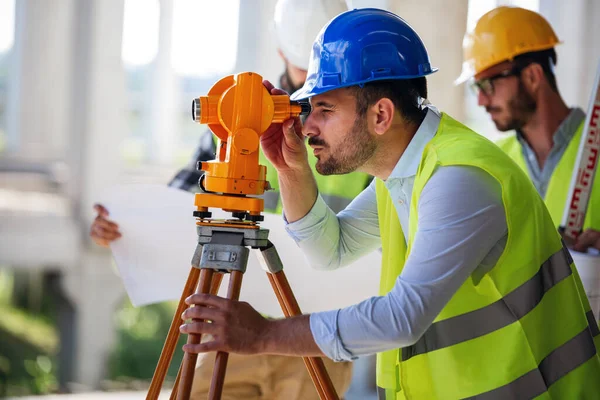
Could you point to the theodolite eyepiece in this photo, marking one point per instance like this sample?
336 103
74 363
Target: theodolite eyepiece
305 107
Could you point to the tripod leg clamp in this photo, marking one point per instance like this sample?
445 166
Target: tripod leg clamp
197 256
224 257
269 259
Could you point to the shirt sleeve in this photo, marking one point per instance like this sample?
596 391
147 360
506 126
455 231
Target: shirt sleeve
461 227
330 241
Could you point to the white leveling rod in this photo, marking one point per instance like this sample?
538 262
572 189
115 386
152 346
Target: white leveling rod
586 162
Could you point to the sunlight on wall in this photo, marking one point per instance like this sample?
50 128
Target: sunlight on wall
140 32
204 33
7 24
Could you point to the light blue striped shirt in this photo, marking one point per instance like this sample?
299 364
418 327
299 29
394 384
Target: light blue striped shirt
461 230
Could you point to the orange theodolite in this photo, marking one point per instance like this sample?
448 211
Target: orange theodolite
238 109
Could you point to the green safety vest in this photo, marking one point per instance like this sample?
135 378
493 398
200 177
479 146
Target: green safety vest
556 194
337 190
524 329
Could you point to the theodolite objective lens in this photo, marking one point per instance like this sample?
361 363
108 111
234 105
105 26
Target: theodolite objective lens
196 110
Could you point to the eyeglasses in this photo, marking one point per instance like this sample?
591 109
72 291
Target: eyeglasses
487 85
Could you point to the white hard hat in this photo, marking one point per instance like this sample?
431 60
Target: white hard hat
297 23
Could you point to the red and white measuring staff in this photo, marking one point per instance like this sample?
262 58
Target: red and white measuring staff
586 162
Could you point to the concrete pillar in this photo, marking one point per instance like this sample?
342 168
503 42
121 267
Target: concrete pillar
98 125
96 292
39 85
162 103
441 25
98 109
257 48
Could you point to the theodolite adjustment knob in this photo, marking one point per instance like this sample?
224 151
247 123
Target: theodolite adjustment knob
202 214
241 215
255 218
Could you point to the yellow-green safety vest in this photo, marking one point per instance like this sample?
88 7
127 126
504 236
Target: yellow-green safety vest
556 194
523 329
337 190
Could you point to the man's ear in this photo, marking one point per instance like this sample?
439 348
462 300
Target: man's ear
532 77
383 115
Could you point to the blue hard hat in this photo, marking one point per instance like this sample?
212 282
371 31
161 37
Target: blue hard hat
361 46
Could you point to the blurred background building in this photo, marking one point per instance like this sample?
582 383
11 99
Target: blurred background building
98 92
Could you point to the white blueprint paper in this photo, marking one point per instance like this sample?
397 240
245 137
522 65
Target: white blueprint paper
159 238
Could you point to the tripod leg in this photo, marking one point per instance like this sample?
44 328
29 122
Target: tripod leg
176 385
271 263
314 365
218 379
310 367
166 354
214 289
189 359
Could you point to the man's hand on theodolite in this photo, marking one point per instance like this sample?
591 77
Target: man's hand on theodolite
283 144
103 230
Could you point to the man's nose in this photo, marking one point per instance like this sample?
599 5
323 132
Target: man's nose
309 128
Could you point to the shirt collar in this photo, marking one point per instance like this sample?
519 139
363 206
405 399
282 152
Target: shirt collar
566 130
409 161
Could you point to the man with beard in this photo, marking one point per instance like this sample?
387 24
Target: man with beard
478 296
297 23
512 72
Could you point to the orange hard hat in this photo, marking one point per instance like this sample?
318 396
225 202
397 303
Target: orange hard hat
501 35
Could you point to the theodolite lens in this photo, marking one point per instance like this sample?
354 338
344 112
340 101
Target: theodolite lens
196 110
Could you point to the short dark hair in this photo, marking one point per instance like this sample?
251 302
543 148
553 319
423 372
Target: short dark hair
545 58
404 93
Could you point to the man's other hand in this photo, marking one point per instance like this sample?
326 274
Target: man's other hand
103 230
588 238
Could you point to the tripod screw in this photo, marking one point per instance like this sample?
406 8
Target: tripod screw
255 218
202 214
239 214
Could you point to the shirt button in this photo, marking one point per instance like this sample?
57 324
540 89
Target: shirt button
400 202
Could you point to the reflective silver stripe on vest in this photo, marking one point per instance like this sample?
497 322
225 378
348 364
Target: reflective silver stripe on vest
495 316
381 393
592 323
557 364
336 203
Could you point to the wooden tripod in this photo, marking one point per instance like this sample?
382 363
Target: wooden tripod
223 248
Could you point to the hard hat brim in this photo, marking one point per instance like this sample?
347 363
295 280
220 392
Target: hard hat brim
306 92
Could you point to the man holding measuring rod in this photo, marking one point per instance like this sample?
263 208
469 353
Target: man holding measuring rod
509 57
478 296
